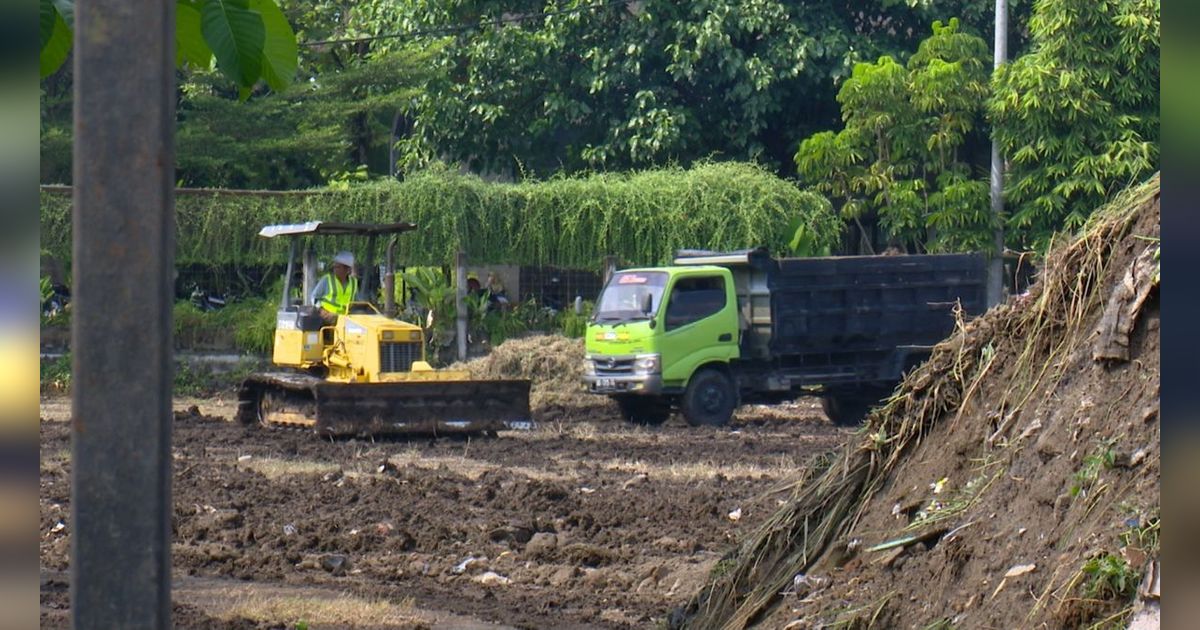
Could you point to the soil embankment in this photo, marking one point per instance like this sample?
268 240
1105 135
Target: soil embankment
1010 482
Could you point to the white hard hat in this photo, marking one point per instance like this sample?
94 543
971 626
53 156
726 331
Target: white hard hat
344 258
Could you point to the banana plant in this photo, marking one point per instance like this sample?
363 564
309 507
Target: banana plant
433 294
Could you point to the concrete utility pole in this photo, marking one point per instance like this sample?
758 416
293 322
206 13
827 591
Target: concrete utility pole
121 346
995 284
460 303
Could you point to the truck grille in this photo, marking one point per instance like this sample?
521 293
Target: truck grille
395 356
613 367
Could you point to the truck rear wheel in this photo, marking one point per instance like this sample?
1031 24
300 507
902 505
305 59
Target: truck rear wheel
709 399
848 408
646 410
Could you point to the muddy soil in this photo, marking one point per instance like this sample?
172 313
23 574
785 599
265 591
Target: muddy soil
1053 506
580 523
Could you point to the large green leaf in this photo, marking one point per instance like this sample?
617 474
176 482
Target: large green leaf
56 39
190 46
279 50
235 34
46 15
66 8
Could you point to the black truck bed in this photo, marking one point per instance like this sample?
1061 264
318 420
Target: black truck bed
850 320
864 303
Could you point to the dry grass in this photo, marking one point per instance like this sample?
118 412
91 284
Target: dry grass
469 468
55 408
334 610
699 471
272 468
587 432
58 408
58 462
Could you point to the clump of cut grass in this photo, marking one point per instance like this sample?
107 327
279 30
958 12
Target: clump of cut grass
1109 577
553 364
1103 458
465 466
960 500
1106 582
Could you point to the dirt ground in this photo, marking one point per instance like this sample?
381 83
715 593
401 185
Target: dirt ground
584 522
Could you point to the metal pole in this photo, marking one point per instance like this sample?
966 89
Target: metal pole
287 275
995 284
124 249
610 267
460 303
309 267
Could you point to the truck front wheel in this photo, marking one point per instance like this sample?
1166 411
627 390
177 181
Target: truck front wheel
709 399
647 410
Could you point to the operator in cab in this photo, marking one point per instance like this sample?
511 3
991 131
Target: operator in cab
336 289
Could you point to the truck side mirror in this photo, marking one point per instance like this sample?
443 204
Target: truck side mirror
647 303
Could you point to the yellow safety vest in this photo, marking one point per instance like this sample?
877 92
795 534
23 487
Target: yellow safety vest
337 297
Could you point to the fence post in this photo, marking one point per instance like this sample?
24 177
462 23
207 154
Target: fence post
122 356
610 267
460 302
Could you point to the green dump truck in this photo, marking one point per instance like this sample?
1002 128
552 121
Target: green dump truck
718 329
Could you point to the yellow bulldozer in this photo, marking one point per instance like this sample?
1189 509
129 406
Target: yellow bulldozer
367 374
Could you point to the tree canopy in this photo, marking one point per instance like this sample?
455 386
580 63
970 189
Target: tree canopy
901 160
1078 115
549 86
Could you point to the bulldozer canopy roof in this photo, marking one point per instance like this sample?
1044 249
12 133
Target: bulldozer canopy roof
334 228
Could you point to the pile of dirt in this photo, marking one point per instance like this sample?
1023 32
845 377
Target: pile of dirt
554 364
1011 481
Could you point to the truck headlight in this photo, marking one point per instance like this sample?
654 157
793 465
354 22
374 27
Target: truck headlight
647 364
589 367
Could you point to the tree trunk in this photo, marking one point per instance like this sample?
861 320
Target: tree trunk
395 137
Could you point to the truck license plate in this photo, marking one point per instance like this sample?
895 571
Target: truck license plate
606 383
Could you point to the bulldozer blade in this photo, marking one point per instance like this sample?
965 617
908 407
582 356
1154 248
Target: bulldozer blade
400 408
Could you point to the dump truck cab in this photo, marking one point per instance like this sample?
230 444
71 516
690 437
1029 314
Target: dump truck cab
645 326
666 336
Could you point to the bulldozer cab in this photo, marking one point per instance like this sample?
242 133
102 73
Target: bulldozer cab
305 341
302 257
366 374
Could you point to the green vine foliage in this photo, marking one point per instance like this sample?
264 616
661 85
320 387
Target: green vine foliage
642 217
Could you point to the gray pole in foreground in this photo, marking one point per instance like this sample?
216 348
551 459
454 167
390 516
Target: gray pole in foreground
124 242
995 283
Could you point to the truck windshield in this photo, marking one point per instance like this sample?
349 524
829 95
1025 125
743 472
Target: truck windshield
624 296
